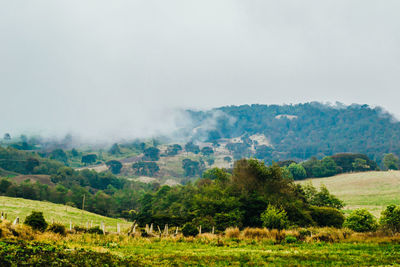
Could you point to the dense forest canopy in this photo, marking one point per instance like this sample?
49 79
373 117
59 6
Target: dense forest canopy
305 130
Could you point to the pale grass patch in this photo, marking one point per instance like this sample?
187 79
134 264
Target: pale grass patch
232 232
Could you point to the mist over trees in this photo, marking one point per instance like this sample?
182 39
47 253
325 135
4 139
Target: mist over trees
302 131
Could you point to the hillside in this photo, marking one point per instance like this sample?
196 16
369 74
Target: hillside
18 207
301 131
370 190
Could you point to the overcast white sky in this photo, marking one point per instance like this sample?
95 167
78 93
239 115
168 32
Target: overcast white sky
120 67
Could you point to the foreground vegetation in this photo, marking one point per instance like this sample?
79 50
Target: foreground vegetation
257 247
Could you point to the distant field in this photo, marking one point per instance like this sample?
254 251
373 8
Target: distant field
18 207
43 179
370 190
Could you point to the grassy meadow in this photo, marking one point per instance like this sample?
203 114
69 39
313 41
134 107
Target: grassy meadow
370 190
19 207
251 247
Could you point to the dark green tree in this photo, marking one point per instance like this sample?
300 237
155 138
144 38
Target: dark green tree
115 149
173 150
7 136
114 166
297 170
191 167
59 154
145 168
190 147
207 151
36 221
89 159
151 154
361 220
390 218
360 165
391 162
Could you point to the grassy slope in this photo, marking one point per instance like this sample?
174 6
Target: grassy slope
18 207
370 190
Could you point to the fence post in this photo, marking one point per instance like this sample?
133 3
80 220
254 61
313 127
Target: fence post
102 227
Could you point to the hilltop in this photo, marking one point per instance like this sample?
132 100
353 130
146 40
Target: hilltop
370 190
301 131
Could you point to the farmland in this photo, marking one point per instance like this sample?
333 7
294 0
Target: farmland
370 190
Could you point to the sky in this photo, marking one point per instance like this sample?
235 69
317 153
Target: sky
124 68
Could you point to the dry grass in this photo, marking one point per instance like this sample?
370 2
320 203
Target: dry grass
10 231
329 234
256 233
309 235
232 232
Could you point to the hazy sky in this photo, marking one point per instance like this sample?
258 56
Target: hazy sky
119 68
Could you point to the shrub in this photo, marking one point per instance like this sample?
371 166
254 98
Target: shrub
361 220
232 232
36 221
298 171
57 228
274 218
390 218
80 229
290 239
189 229
303 233
322 198
95 230
326 216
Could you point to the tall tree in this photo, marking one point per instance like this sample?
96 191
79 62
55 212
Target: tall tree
391 162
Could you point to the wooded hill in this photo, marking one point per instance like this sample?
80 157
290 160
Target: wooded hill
301 131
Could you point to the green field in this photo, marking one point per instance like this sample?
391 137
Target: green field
370 190
18 207
86 250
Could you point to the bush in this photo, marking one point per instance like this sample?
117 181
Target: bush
57 228
303 233
36 221
361 220
326 216
95 230
390 218
79 229
297 170
274 218
290 239
189 229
